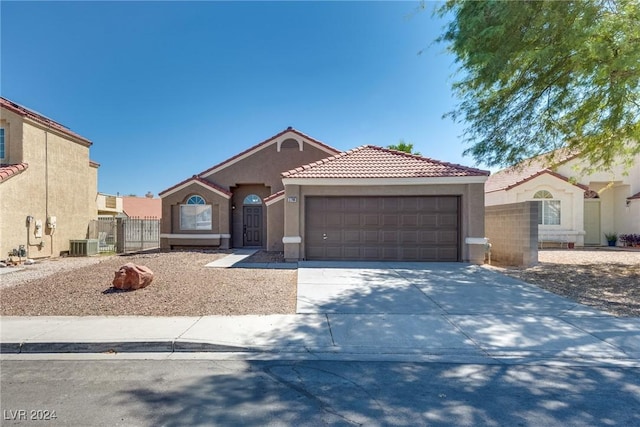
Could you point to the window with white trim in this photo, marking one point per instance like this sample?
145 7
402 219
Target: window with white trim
195 214
548 209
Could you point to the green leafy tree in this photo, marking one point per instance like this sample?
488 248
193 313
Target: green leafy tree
406 147
537 76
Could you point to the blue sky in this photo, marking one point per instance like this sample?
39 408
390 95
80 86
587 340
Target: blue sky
167 89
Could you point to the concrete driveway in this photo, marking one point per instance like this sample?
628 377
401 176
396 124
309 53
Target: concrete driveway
456 308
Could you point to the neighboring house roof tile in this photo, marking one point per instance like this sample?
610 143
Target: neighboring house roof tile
37 117
196 178
370 161
266 142
7 171
142 207
509 178
635 196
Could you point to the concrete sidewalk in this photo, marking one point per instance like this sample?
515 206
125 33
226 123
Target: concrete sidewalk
422 312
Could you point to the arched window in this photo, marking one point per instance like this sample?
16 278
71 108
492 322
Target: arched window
195 214
548 209
196 200
252 199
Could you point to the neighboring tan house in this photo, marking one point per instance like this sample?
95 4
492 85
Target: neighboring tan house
295 194
146 207
109 205
572 208
48 184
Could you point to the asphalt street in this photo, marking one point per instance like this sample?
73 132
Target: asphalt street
127 392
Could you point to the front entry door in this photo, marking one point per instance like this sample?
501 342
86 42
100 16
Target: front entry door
592 222
252 227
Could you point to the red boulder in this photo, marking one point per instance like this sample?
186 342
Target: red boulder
131 277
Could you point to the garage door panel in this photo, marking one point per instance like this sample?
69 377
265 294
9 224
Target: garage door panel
390 204
390 220
351 205
369 220
409 254
429 254
334 220
334 204
370 236
447 253
445 220
390 253
409 236
428 220
382 228
370 253
447 237
351 236
351 220
351 252
427 237
447 204
389 236
408 220
409 204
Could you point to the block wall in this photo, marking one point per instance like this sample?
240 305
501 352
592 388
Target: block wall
512 230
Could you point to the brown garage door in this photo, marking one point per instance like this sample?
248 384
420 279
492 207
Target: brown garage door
423 228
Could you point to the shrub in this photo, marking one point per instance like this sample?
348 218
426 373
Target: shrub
630 239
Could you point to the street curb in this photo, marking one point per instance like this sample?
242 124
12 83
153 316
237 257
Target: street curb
117 347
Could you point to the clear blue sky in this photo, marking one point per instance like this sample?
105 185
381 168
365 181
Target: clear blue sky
167 89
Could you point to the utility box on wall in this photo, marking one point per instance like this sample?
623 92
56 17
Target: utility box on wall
85 247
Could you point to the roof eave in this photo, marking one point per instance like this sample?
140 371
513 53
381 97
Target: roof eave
475 179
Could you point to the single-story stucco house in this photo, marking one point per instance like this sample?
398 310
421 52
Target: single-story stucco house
295 194
573 208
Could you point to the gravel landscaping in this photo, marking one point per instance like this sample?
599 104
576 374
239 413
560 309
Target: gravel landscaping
608 280
605 279
182 286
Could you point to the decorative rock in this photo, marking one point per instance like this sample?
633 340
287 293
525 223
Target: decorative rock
132 277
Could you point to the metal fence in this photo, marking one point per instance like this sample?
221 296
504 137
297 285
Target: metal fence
122 235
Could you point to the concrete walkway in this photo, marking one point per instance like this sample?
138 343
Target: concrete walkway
366 311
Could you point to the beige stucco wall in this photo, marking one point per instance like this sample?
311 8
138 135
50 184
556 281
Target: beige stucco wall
275 226
266 165
471 215
59 182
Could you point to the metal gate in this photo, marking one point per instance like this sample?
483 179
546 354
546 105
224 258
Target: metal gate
122 235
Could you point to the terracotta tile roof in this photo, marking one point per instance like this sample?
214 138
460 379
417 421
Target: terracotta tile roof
7 171
142 207
37 117
274 196
196 178
370 161
527 170
266 142
635 196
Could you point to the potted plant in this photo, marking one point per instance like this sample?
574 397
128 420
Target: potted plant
612 238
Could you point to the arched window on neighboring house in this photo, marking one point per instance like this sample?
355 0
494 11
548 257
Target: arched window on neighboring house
548 208
195 214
